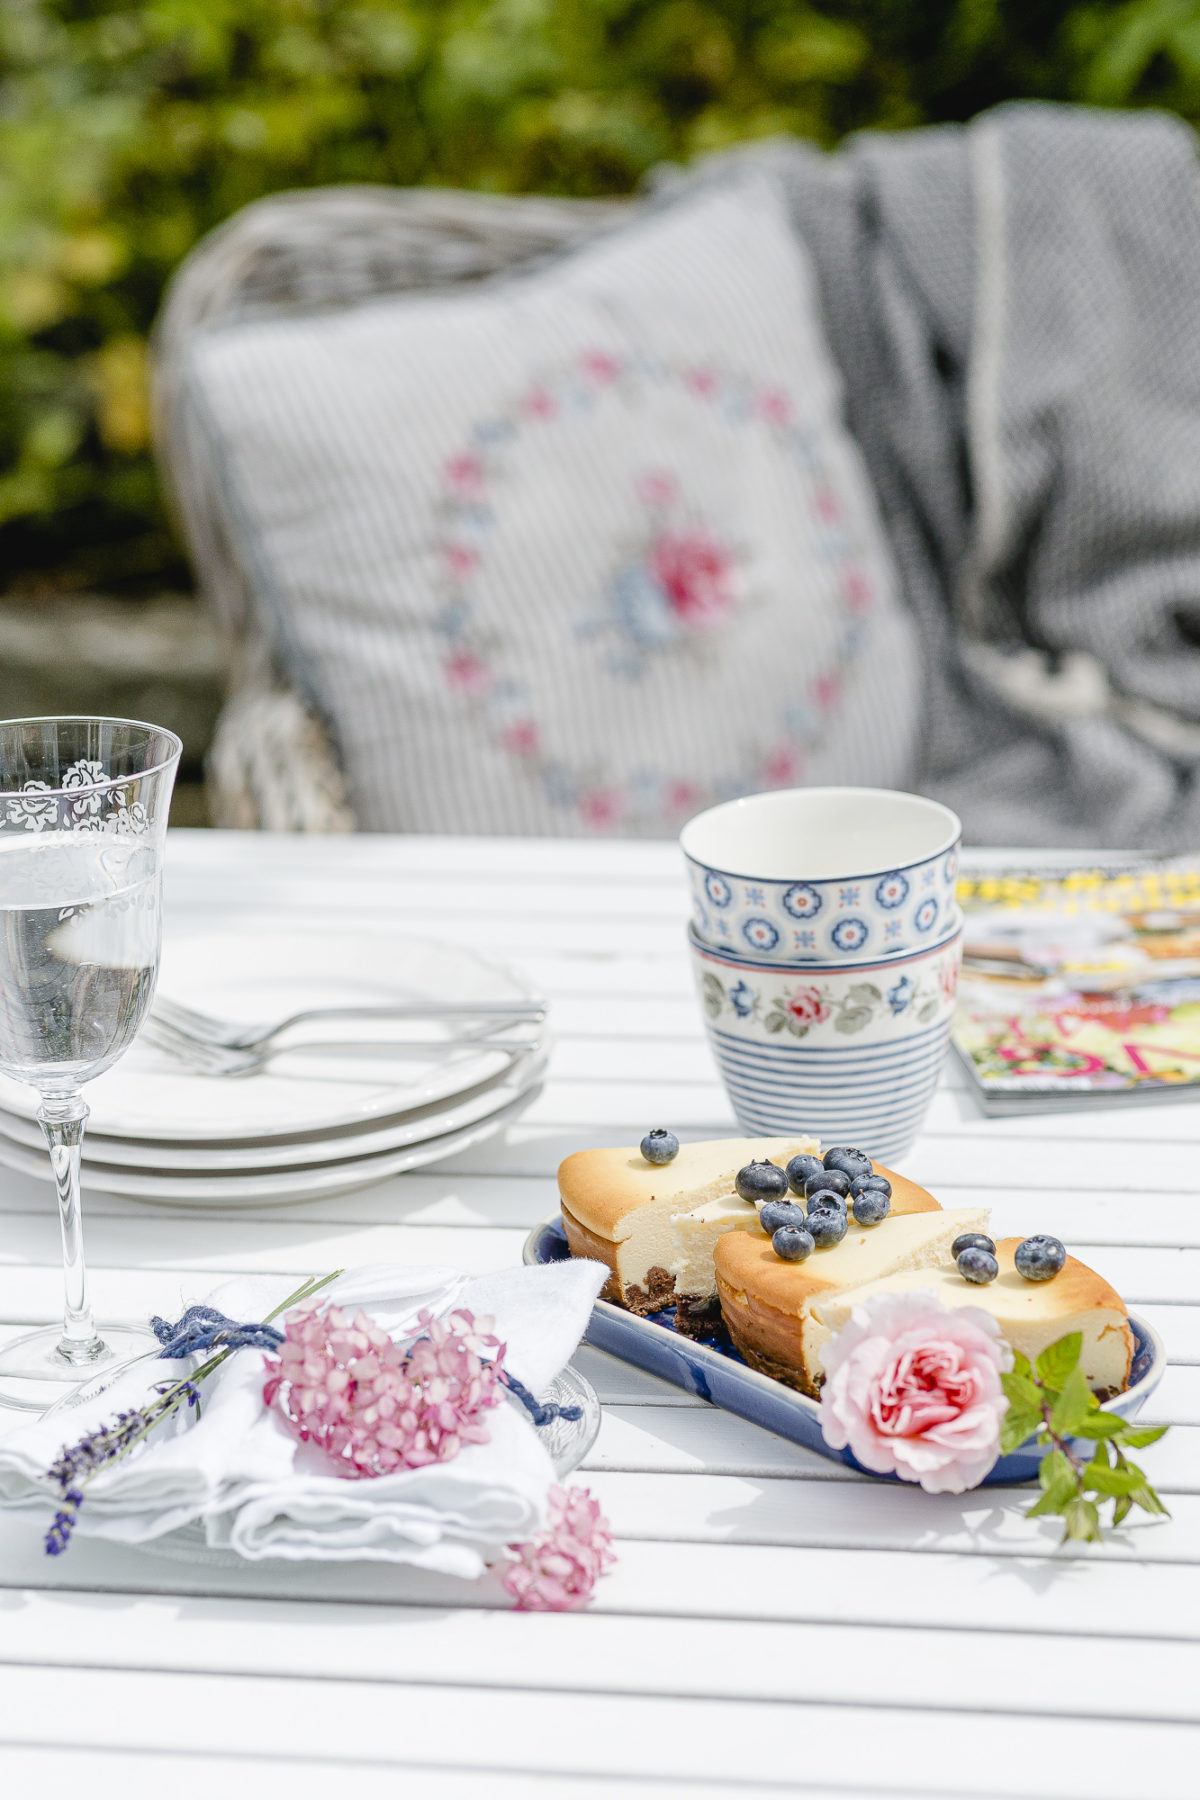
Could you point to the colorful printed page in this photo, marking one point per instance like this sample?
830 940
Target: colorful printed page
1080 983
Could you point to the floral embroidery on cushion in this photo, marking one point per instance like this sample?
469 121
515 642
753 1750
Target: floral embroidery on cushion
673 590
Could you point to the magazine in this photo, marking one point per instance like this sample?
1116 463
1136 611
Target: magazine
1080 983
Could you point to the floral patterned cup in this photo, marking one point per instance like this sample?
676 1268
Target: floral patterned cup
848 1052
823 875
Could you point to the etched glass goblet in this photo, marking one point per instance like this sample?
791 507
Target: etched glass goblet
83 819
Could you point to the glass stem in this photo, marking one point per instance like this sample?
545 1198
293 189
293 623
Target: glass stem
62 1118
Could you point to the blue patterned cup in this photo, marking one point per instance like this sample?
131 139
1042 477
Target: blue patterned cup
850 1052
823 875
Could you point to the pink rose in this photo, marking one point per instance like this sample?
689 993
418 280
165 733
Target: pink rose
806 1006
913 1388
697 575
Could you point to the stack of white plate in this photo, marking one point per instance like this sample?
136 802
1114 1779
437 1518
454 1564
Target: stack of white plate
314 1121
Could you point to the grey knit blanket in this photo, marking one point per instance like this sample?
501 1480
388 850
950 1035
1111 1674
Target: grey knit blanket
1015 306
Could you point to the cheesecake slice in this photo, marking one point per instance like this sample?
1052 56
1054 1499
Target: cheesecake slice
619 1209
698 1307
1031 1314
767 1303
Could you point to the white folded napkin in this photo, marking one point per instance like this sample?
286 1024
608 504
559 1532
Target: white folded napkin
258 1491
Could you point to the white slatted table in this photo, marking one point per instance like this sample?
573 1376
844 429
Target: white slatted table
774 1623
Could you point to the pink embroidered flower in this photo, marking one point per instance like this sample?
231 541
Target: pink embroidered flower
775 406
601 365
539 404
468 673
681 796
556 1571
657 487
464 473
828 506
701 381
697 575
374 1406
913 1388
806 1006
521 737
461 559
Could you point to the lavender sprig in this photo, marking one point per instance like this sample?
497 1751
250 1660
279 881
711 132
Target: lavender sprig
108 1444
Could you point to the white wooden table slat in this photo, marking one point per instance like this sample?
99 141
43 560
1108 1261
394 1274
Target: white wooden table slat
774 1619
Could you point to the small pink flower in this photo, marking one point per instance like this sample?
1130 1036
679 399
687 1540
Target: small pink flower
468 673
464 474
539 404
913 1388
374 1406
827 690
657 487
857 589
697 575
948 977
601 365
701 381
556 1571
782 764
806 1006
461 559
603 806
681 796
775 406
521 737
828 506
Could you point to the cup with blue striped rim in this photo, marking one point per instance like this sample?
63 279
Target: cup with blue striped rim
848 1052
823 875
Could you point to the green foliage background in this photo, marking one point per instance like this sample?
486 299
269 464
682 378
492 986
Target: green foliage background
128 130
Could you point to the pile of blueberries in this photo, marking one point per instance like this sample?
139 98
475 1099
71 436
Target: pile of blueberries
831 1187
1036 1258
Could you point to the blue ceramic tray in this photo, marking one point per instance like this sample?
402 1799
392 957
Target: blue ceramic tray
716 1372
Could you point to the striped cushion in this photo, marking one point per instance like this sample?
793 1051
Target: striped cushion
583 548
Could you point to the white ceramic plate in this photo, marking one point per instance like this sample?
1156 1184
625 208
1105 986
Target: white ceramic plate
280 1186
256 975
106 1155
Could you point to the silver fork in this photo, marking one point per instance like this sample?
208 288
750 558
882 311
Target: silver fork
202 1028
218 1059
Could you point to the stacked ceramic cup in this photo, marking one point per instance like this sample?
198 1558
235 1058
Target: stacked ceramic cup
826 941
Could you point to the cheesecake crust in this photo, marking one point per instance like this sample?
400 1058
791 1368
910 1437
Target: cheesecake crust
656 1296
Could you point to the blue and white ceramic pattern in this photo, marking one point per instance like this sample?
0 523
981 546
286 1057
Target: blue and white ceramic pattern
714 1371
870 874
849 1053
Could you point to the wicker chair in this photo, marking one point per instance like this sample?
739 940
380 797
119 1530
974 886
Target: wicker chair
272 765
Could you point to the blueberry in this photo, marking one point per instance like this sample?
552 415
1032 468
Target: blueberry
861 1183
828 1225
1040 1258
780 1212
978 1265
850 1162
792 1243
829 1181
825 1198
799 1170
972 1240
761 1181
871 1207
660 1146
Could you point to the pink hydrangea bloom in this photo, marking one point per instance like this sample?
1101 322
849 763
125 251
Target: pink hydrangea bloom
913 1388
376 1406
557 1570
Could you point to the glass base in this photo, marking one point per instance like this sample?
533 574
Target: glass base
34 1371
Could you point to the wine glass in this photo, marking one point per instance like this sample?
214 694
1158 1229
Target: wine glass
83 819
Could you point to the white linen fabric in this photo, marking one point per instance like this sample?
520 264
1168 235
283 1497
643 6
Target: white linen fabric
581 548
259 1491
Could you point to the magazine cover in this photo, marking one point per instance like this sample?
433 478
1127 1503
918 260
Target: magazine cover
1080 983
